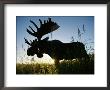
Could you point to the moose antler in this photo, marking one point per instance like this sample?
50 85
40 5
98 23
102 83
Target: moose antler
26 41
47 27
31 43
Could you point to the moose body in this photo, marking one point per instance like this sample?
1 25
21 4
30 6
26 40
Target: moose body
58 50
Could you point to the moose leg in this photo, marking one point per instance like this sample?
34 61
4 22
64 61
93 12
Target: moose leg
57 65
87 58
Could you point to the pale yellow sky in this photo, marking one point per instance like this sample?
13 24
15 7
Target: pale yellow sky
30 59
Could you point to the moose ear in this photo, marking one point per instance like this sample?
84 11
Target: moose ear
46 39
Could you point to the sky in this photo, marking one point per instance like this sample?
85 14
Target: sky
68 28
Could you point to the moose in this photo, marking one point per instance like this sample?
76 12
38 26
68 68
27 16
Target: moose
54 48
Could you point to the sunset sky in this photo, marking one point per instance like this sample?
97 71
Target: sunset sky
68 27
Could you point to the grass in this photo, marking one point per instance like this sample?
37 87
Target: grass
65 67
35 68
76 67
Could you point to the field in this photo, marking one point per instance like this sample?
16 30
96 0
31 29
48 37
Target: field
65 67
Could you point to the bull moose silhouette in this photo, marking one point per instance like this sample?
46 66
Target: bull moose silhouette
54 48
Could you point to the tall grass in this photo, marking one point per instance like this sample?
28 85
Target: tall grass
65 67
76 67
35 68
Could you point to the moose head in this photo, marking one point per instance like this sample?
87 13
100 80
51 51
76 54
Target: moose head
36 46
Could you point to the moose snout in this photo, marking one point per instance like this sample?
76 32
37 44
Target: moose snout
39 55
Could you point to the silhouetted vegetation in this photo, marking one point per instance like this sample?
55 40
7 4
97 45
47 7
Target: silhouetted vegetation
35 68
76 67
65 67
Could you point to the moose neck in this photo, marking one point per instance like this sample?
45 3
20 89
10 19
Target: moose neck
51 48
48 48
